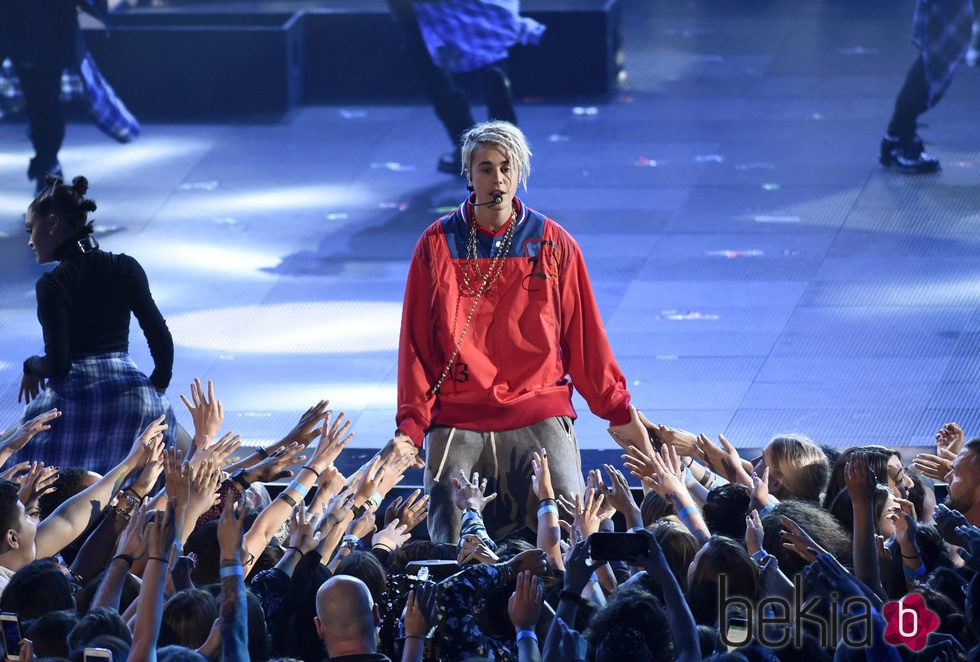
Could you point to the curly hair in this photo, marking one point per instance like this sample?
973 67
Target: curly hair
632 626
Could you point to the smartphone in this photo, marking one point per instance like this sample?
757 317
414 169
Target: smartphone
94 654
608 546
737 634
11 635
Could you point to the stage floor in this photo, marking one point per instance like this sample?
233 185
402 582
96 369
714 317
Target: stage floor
757 271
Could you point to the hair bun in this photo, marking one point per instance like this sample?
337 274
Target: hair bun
80 184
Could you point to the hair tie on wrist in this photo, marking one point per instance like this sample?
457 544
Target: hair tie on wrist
295 549
125 557
309 468
159 558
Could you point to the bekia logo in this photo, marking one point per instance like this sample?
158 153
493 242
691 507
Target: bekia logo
909 622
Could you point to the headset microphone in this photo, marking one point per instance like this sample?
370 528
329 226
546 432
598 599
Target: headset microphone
497 199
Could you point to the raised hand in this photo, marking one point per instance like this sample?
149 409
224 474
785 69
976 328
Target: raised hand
411 512
416 620
135 537
365 525
206 411
524 605
859 479
302 530
30 388
305 431
472 549
38 481
594 480
148 445
950 438
633 433
585 512
217 452
28 430
276 465
618 496
754 532
469 493
338 508
333 437
394 535
723 459
795 538
541 476
578 570
948 521
160 533
935 466
403 446
760 490
230 531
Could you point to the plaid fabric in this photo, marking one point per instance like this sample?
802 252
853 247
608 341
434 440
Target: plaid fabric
108 112
106 402
941 29
463 35
86 84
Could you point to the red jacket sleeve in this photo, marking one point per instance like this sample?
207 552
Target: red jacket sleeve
585 348
418 354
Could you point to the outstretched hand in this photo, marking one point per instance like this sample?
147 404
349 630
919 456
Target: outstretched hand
30 388
29 429
469 493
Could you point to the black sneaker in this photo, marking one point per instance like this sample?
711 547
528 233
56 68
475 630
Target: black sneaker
907 155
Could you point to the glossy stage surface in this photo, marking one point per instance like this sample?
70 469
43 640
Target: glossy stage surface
757 270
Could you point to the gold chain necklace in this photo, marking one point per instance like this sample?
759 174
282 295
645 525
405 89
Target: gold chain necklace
486 282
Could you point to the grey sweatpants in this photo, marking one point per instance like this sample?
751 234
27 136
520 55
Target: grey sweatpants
504 459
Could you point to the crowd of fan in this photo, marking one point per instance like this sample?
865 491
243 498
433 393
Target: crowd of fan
801 549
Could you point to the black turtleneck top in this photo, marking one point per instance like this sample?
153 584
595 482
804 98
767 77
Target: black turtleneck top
84 304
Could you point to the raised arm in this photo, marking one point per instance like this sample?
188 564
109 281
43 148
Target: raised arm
25 433
332 440
860 482
76 514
